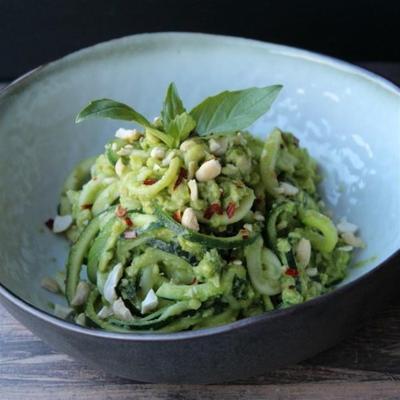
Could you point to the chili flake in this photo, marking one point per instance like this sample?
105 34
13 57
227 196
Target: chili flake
86 206
292 272
182 175
177 216
231 209
149 181
128 221
212 209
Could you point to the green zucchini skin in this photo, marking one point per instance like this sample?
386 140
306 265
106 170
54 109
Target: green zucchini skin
207 241
98 248
172 248
176 269
162 315
163 320
202 292
75 180
326 241
268 160
105 244
78 253
259 279
91 314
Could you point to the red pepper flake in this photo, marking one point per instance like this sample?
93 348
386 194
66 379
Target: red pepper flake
194 281
244 233
182 175
128 222
292 272
86 206
212 209
50 223
231 209
150 181
177 216
120 211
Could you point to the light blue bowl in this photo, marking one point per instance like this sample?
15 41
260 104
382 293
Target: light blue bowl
347 117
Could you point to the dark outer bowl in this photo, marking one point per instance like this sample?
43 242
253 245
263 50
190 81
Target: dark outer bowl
235 351
242 349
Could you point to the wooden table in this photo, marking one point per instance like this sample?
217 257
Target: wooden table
365 366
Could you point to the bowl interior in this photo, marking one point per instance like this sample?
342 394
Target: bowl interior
349 120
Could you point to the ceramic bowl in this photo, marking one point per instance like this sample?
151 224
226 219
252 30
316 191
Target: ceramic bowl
348 118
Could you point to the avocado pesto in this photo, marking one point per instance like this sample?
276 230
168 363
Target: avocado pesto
191 222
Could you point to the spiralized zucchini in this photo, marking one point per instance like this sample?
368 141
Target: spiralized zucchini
174 236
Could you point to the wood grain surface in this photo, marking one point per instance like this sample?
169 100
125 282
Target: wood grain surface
365 366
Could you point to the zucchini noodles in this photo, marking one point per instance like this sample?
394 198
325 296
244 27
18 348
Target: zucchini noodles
171 235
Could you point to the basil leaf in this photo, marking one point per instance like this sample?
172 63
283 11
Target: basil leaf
168 140
106 108
233 111
180 127
172 105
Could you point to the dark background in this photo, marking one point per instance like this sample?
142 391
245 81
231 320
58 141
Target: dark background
33 32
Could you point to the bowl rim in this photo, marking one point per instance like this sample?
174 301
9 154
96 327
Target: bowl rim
290 51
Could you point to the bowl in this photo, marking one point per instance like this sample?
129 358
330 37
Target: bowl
348 118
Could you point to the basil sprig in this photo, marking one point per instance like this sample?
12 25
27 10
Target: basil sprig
106 108
177 123
224 113
233 111
172 105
